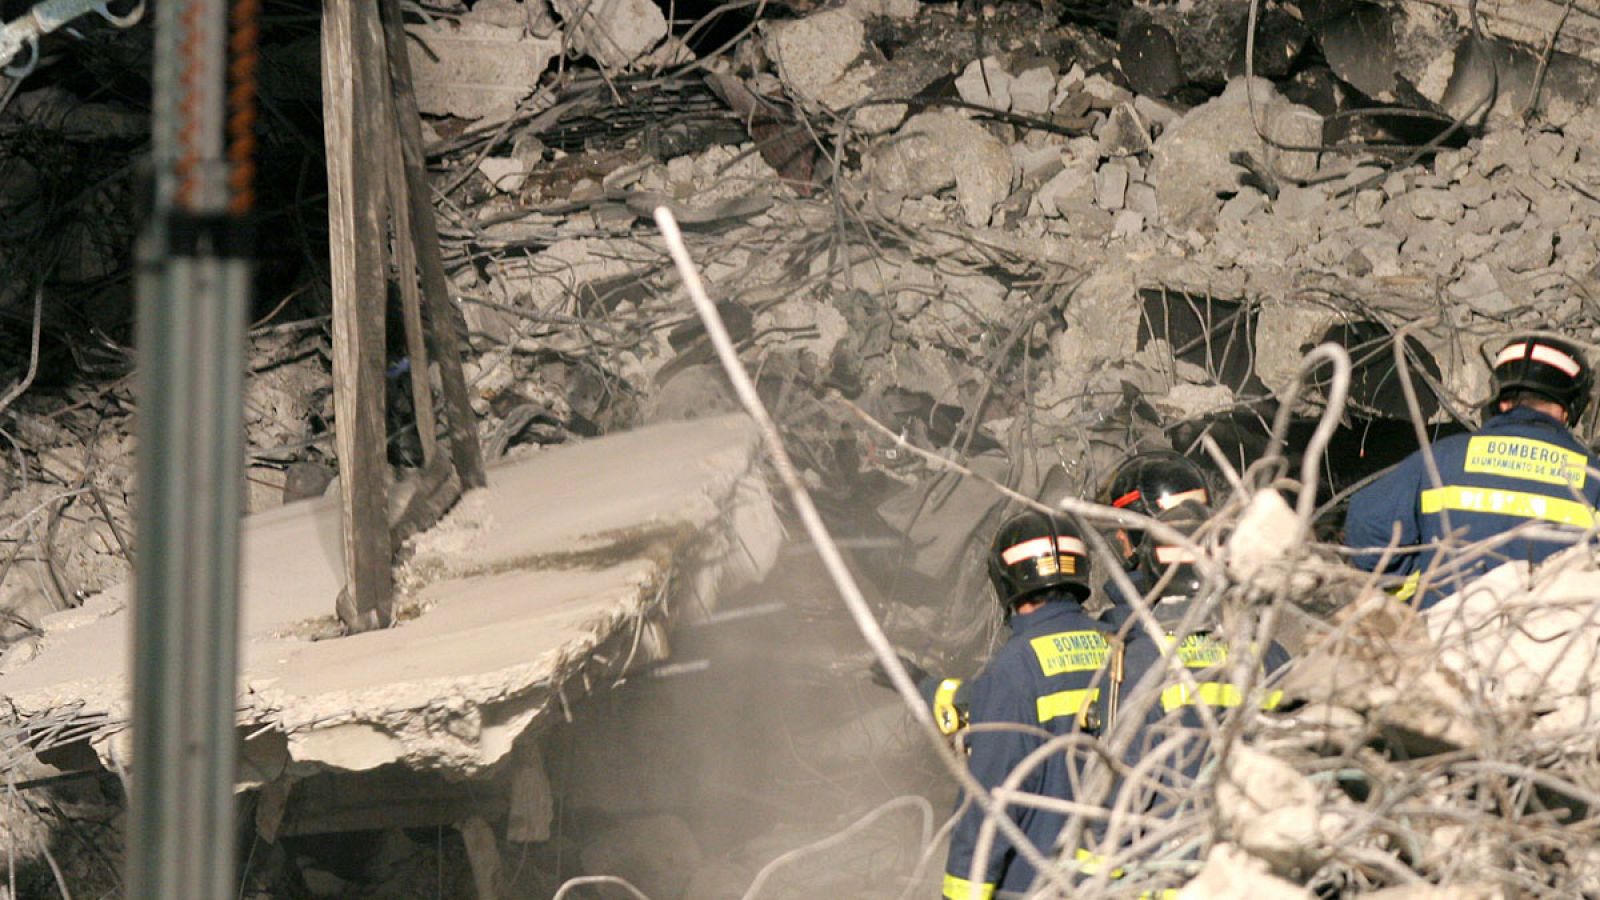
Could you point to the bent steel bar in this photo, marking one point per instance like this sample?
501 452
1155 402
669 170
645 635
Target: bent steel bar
23 32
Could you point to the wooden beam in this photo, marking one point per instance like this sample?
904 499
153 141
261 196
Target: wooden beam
351 40
405 263
443 316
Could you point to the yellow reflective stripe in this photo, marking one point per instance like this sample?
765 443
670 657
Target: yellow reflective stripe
1163 894
1065 703
1508 503
945 713
962 889
1091 863
1272 699
1212 693
1526 459
1408 588
1070 651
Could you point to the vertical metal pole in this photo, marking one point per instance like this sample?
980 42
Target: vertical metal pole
194 292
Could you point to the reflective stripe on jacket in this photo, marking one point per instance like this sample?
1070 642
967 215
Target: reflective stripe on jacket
1522 466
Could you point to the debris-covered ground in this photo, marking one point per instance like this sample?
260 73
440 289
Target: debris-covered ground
1030 238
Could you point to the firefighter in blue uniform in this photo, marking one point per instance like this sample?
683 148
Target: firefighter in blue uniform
1146 483
1042 678
1523 466
1205 654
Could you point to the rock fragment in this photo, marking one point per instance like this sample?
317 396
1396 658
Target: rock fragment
985 83
616 33
1110 186
477 70
1191 163
816 57
1124 132
1231 873
1033 91
940 149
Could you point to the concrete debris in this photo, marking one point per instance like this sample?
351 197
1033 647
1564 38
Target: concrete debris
937 150
477 70
1265 535
817 57
984 83
1000 288
615 33
1230 873
1271 810
1192 162
1528 646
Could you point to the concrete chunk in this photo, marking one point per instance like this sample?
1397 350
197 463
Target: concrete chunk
985 83
1110 186
936 150
476 70
615 33
1033 91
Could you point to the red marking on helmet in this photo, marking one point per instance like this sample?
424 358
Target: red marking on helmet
1169 501
1169 555
1037 547
1127 499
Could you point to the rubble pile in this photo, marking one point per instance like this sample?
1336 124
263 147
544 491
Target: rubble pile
1029 244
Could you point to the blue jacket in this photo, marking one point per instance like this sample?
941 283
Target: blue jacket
1521 466
1173 714
1040 678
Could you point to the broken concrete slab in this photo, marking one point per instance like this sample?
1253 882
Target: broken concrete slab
1192 162
477 70
566 553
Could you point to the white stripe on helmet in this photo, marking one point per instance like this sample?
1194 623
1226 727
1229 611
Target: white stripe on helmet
1037 547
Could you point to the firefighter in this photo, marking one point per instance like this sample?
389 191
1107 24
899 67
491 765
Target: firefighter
1042 678
1202 651
1524 466
1172 723
1149 483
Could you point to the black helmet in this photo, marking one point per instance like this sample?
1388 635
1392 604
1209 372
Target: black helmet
1154 481
1549 367
1157 557
1032 552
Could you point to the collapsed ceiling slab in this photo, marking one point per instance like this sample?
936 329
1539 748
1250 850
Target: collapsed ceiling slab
565 572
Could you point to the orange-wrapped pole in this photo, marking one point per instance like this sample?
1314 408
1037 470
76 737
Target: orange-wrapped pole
194 299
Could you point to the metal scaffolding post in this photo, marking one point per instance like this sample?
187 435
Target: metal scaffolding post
194 294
